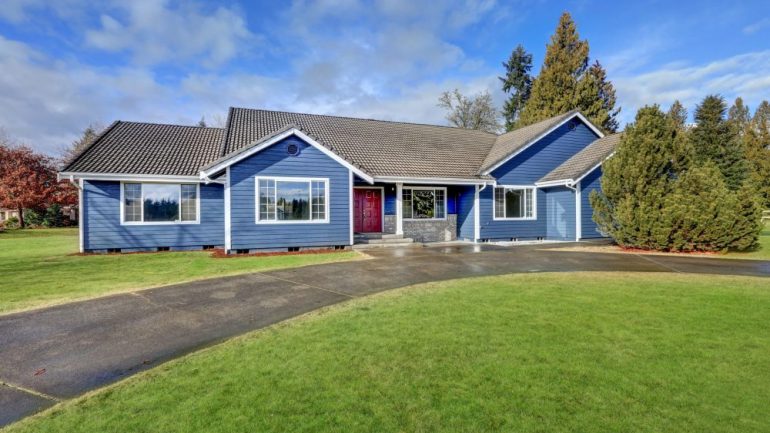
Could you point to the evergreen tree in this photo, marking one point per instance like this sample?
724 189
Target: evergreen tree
635 180
739 117
554 89
566 82
678 114
713 139
596 98
757 145
517 82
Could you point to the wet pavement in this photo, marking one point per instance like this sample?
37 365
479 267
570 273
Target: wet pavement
60 352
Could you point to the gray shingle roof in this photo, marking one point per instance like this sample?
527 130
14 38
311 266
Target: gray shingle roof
149 148
586 159
379 148
510 142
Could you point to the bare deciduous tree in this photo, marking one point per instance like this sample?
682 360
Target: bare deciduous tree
475 112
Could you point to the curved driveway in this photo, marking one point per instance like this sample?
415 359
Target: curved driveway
60 352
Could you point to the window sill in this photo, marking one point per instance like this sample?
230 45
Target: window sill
159 223
284 222
424 219
515 219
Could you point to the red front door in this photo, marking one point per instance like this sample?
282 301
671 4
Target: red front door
367 212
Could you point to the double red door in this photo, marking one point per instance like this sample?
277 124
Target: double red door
367 211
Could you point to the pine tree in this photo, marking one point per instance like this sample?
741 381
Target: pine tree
757 146
678 114
713 139
517 82
739 117
635 180
596 98
566 82
554 89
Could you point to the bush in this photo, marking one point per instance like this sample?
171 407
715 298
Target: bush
702 214
11 223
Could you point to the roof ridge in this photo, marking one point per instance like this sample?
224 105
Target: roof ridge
367 119
169 124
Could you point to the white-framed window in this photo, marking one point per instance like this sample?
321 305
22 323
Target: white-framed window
159 203
421 203
291 200
515 203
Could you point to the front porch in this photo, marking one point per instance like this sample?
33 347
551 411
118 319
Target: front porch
401 213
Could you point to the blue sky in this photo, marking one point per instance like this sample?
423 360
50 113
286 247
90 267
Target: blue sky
69 63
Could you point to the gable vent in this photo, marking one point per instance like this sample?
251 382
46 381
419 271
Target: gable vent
292 149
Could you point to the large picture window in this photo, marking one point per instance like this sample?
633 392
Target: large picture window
292 200
424 203
160 203
515 203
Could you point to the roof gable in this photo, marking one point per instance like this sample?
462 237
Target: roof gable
272 139
582 163
510 144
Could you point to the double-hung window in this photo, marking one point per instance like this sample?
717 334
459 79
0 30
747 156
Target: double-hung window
159 203
285 199
423 203
515 203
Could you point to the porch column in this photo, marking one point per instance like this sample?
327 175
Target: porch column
399 209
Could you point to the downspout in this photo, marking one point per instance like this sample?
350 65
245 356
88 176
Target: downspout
79 186
477 212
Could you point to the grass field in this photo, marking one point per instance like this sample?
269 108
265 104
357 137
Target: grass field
38 267
580 352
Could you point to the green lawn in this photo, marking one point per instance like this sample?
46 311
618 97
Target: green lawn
38 267
578 352
762 253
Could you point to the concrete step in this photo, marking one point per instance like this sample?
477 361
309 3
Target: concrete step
387 245
390 241
378 236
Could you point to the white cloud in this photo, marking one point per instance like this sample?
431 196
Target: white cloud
756 26
746 75
156 32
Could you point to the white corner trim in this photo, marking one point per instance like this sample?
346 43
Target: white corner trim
259 146
578 211
81 223
588 123
399 208
350 207
228 230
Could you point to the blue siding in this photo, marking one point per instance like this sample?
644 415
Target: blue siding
465 214
275 161
102 229
589 183
560 218
525 169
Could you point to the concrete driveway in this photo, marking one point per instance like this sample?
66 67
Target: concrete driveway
57 353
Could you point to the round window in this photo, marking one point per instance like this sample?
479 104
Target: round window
292 150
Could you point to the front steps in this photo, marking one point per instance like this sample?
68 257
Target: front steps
381 240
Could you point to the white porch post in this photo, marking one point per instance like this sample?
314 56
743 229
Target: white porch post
578 216
399 209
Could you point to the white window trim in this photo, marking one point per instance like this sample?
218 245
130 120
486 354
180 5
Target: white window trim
534 203
160 223
309 180
428 188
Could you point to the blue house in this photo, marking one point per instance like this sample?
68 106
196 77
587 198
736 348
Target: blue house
284 181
